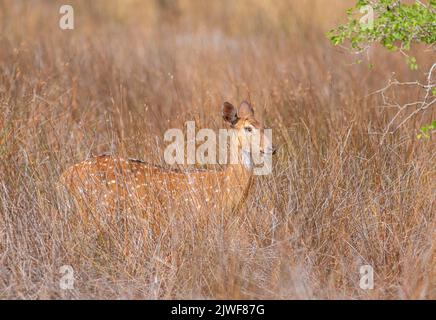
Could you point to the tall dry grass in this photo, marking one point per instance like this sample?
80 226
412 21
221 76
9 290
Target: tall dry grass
337 199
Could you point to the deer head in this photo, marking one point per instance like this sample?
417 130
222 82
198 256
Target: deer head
250 137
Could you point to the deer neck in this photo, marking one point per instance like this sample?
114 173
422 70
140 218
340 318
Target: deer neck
238 180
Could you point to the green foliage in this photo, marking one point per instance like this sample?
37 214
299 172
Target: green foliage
396 26
426 130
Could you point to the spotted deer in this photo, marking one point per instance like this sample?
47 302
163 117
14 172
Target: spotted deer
117 182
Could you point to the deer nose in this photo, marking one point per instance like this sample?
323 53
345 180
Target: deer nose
273 150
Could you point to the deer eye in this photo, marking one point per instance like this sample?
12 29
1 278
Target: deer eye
248 129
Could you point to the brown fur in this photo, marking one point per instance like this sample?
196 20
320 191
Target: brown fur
117 183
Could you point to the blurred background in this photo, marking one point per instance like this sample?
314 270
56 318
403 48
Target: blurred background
132 69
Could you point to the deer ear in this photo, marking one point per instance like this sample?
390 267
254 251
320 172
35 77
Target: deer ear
229 113
245 110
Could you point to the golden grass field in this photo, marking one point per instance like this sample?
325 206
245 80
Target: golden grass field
338 198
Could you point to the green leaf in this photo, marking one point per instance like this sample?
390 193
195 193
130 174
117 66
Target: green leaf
397 24
411 61
424 129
